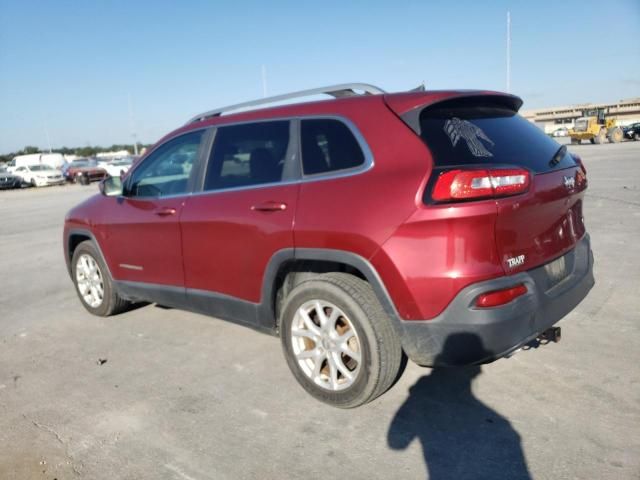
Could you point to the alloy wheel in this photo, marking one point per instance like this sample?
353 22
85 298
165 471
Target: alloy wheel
89 280
326 345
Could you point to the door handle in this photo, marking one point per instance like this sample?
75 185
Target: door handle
165 211
269 207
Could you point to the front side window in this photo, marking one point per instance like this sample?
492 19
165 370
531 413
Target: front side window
167 170
328 145
248 154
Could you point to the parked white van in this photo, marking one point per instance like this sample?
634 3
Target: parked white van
53 160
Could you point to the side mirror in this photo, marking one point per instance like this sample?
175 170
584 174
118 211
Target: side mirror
111 186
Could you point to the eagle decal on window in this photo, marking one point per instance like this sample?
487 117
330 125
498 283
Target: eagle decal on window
456 129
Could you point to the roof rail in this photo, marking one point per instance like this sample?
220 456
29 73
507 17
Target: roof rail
336 91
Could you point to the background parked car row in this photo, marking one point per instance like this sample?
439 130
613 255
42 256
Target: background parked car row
40 170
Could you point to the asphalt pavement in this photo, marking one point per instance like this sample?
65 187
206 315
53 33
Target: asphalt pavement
163 394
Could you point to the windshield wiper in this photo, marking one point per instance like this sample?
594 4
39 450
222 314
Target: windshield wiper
562 151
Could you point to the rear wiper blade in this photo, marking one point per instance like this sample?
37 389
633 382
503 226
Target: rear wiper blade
562 151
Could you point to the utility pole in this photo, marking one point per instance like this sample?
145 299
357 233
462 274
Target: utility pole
508 51
46 132
132 126
45 125
264 81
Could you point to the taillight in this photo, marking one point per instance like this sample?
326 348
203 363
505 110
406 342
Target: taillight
500 297
579 162
474 184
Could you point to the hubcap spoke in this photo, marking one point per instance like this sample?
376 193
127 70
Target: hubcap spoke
322 317
304 333
308 323
315 375
331 322
307 354
337 358
347 351
333 372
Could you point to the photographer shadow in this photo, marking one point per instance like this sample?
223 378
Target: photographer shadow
461 437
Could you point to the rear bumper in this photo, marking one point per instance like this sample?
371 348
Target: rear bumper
464 335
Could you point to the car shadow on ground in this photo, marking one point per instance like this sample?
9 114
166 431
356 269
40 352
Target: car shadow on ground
460 436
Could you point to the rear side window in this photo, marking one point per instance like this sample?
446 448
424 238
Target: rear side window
248 154
461 133
328 145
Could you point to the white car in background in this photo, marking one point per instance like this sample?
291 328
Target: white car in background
40 175
118 167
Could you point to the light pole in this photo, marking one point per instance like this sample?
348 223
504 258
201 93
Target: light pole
132 126
508 51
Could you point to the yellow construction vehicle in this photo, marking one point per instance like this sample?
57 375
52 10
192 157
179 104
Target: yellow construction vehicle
596 126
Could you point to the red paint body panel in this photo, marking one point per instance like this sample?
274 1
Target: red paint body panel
436 253
131 233
544 223
358 213
227 245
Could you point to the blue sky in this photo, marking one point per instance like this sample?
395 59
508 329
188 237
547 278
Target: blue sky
71 65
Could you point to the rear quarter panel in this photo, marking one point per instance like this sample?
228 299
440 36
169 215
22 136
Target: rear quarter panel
358 213
437 252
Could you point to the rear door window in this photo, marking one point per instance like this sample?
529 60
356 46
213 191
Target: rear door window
328 145
248 154
460 133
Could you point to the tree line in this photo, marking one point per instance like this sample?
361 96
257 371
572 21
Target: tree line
80 151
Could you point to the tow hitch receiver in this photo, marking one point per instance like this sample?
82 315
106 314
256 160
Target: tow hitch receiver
553 334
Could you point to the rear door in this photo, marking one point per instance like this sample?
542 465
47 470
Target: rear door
531 228
244 213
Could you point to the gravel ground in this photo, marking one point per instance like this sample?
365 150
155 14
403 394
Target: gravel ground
183 396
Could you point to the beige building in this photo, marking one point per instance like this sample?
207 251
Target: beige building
552 118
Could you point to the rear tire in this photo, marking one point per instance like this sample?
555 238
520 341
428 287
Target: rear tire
615 135
93 284
365 365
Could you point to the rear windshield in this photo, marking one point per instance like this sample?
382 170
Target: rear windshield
459 133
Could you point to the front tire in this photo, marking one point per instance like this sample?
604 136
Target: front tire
93 283
601 137
338 342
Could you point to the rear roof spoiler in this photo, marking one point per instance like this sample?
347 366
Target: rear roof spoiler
408 106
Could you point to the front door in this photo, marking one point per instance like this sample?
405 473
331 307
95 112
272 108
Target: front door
142 226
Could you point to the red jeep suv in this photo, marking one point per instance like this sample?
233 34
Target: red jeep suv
439 225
